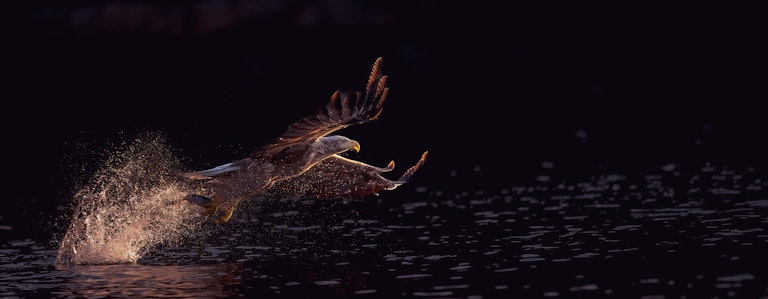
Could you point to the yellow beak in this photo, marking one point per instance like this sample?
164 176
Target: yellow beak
356 147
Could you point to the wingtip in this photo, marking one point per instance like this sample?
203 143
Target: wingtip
390 166
375 74
411 171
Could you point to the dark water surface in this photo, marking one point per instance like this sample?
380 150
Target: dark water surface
485 85
683 231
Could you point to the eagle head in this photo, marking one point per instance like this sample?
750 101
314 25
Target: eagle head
335 144
327 146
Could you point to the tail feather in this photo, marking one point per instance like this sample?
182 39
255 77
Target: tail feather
198 200
210 173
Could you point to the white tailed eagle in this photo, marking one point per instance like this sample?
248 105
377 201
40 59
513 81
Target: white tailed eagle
302 147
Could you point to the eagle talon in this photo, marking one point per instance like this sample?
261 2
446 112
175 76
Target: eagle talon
223 218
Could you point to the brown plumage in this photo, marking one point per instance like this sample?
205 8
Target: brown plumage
305 144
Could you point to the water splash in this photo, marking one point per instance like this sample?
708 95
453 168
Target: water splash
133 203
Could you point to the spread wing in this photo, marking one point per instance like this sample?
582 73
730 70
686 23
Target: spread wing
343 110
340 178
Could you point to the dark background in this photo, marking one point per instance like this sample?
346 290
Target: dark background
592 88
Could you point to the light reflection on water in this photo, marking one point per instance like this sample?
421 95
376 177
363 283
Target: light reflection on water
700 233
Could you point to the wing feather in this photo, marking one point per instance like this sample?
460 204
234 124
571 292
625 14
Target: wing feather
332 112
340 178
346 111
343 109
411 171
